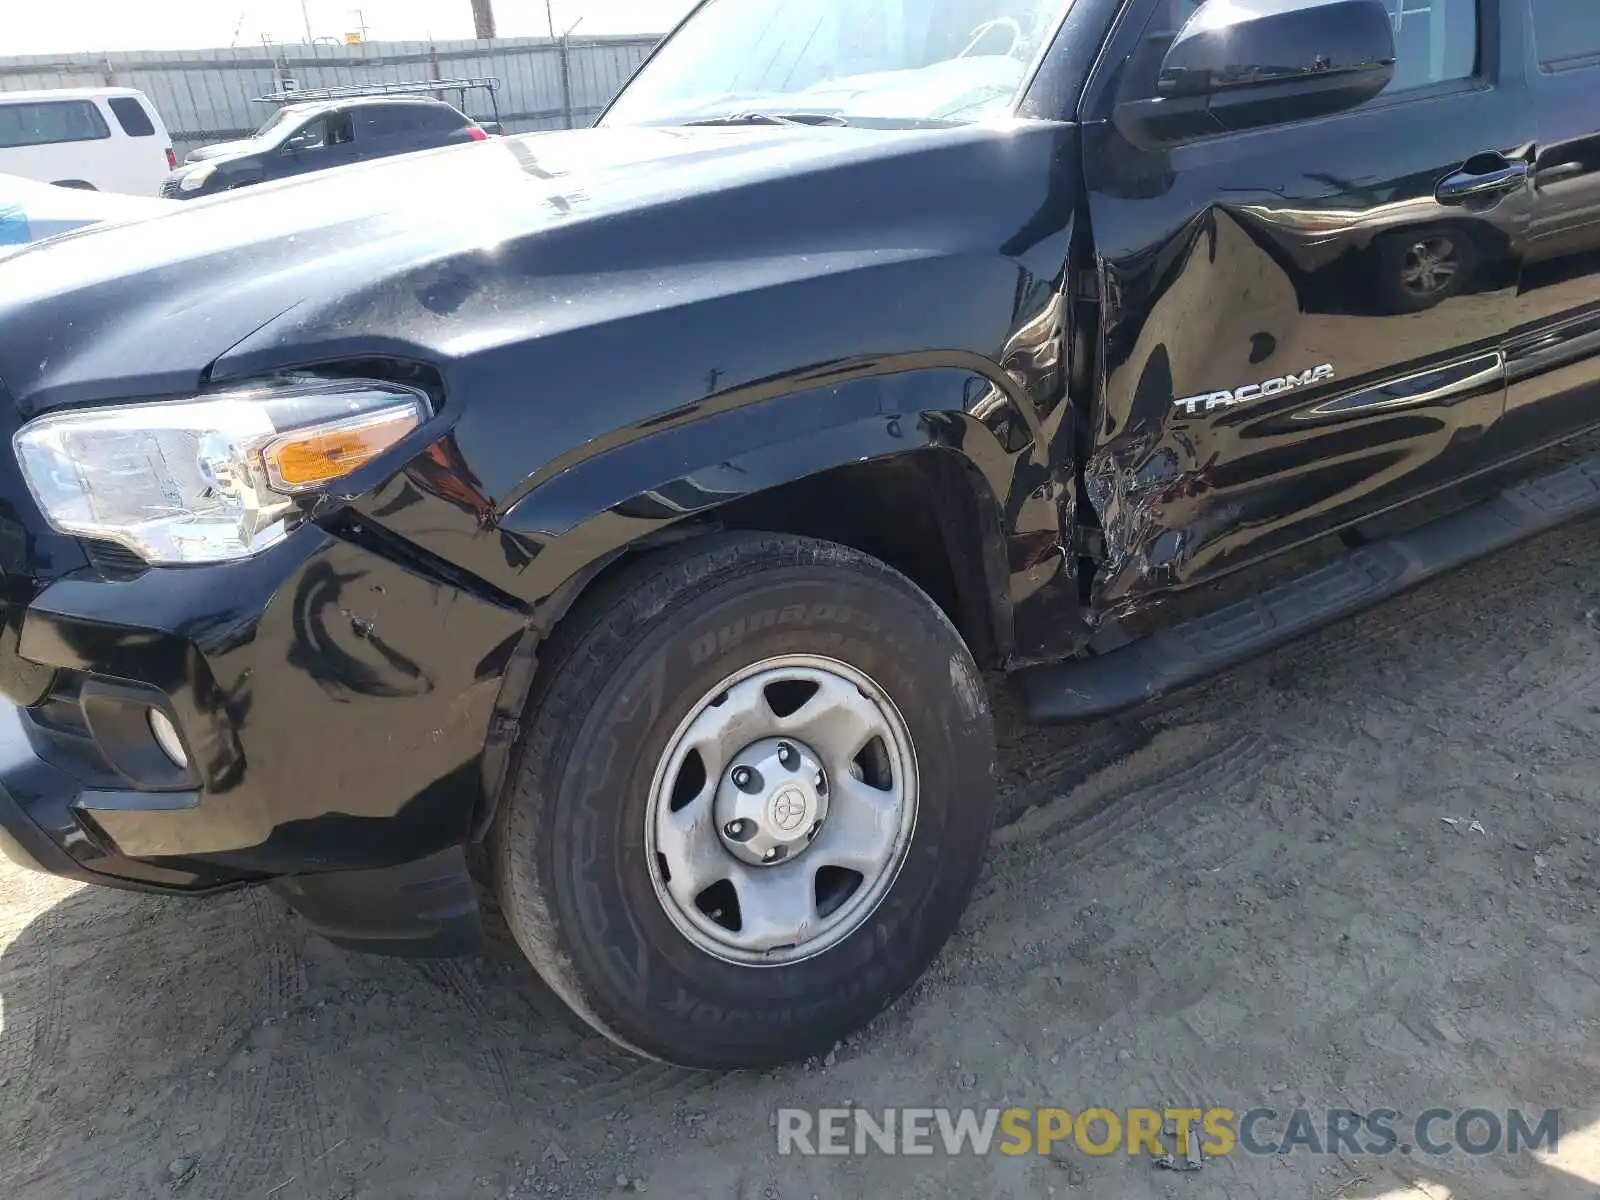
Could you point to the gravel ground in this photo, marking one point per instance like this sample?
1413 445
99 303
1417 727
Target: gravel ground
1248 897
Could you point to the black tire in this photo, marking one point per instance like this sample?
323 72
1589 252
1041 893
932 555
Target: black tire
568 844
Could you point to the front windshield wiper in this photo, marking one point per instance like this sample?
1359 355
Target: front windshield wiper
771 118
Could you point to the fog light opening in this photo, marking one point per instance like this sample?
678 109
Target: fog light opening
166 735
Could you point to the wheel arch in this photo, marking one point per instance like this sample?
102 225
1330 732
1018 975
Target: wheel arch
916 490
927 510
951 428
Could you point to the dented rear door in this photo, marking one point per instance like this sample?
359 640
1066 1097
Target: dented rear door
1296 331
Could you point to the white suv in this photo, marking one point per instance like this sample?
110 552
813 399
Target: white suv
104 139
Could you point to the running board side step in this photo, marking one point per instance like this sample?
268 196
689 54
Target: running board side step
1192 650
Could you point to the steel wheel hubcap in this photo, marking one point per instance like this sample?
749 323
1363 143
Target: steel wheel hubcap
781 811
773 801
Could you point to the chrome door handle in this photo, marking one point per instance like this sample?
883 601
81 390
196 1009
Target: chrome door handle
1463 186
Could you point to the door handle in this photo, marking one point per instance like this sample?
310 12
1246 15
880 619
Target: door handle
1464 186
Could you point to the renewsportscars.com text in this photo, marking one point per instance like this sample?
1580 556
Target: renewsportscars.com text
1211 1132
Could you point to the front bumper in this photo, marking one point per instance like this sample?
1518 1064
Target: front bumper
21 840
39 830
335 705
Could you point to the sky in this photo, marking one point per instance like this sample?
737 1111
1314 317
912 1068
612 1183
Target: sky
58 26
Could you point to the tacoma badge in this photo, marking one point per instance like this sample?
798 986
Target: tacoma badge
1206 402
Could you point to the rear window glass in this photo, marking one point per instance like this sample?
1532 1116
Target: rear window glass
1566 31
376 120
379 119
132 117
45 122
445 117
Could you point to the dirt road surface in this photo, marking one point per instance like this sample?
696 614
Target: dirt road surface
1247 898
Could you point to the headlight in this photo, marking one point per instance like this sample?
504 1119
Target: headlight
213 478
196 179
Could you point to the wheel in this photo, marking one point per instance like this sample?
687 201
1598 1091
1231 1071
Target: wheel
1419 270
750 802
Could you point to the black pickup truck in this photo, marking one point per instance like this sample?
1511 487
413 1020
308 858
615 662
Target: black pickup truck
622 517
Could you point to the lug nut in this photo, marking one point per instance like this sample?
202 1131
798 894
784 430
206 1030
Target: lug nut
822 784
746 779
740 830
786 755
774 854
815 829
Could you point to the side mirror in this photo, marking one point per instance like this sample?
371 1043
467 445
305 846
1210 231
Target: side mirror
493 128
1250 63
299 142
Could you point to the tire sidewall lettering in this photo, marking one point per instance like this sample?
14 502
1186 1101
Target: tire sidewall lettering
712 643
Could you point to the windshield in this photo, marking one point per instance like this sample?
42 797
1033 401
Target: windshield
275 122
860 60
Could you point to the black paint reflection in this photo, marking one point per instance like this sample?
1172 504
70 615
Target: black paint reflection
342 650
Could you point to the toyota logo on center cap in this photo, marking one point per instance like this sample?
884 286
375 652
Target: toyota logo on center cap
789 809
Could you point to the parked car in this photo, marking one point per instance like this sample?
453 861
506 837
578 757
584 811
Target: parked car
313 137
31 211
96 139
626 514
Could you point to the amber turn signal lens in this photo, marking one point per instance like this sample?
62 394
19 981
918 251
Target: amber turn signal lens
310 457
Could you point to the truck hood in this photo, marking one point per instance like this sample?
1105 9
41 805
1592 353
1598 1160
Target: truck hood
222 150
383 258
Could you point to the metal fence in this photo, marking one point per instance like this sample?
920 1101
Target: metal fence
209 95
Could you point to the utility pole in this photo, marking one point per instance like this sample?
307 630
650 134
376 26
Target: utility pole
305 15
550 17
483 18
